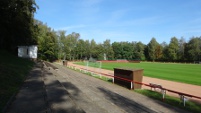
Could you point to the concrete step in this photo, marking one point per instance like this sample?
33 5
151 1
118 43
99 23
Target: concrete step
58 98
84 92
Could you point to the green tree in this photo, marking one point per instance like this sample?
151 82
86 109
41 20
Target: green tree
181 52
128 49
159 52
81 49
108 50
139 51
93 51
100 51
164 46
173 49
118 50
62 43
194 48
17 23
47 43
152 49
71 45
87 49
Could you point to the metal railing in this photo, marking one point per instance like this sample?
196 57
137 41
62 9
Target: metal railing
183 96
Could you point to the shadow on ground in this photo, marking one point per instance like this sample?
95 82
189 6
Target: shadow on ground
42 92
58 98
30 97
125 103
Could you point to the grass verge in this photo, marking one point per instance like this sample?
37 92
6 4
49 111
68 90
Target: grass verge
13 71
190 106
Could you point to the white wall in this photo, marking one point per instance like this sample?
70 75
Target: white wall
33 51
27 51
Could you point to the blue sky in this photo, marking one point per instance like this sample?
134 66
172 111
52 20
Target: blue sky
123 20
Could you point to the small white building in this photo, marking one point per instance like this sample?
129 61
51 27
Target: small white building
28 51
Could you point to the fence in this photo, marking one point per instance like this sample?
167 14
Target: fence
183 96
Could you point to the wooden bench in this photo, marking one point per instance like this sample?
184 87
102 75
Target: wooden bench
162 90
152 85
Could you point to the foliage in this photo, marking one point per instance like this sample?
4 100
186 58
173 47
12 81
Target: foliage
71 47
18 27
47 43
17 24
194 48
181 52
153 49
139 48
173 49
108 50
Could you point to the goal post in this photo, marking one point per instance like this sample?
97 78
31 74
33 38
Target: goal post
93 66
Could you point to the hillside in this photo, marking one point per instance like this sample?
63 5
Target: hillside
13 71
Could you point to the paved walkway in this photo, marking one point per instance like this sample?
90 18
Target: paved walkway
30 98
67 91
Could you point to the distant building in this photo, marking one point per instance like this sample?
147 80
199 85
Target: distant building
28 51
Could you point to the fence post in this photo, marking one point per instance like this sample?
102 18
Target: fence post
163 92
131 85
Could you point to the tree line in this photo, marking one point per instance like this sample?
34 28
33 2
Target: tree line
17 24
18 27
55 45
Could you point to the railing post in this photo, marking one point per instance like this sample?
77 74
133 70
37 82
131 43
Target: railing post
183 99
131 85
164 93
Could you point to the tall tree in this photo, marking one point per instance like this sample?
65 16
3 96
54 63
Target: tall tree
181 52
128 49
93 49
194 48
139 51
152 46
159 52
17 23
118 50
123 50
173 49
71 40
108 50
47 43
87 49
62 44
80 49
164 46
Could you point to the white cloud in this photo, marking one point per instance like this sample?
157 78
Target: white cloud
72 27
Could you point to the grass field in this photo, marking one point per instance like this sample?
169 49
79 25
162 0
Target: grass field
190 106
186 73
13 71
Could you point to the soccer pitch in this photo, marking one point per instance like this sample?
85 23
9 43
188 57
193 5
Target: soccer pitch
186 73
